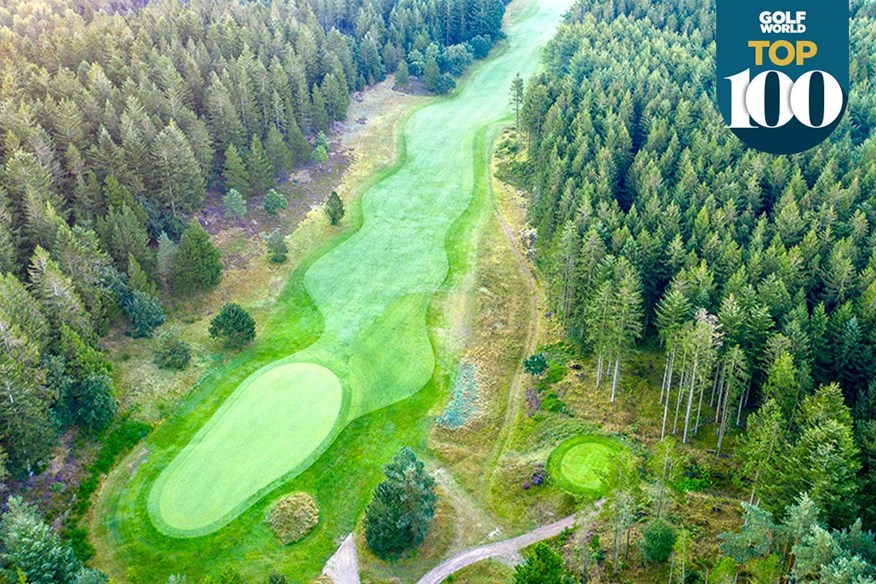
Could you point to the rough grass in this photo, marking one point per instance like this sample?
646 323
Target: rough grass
580 464
323 316
293 517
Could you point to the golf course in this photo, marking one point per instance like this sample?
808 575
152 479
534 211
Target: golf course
350 334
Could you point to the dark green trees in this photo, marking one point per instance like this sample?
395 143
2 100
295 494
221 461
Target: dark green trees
542 566
234 173
233 325
196 266
31 546
401 508
334 208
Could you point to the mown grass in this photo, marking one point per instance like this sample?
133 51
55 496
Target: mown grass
580 465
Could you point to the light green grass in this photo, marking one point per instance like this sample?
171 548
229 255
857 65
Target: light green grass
364 308
580 464
289 409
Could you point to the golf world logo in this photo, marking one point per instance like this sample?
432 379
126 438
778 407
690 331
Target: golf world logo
782 71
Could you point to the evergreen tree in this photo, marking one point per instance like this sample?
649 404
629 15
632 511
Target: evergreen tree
541 566
234 173
261 170
235 205
334 208
274 202
401 508
402 75
299 147
33 548
278 152
196 266
234 325
277 249
180 182
164 258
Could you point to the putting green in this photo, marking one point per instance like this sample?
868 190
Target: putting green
372 292
580 464
272 423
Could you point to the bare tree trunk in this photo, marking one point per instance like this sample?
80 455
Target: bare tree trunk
598 370
693 383
614 381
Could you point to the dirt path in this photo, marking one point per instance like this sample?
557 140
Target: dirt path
343 566
502 549
515 391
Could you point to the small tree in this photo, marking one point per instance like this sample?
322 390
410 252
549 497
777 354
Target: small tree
542 566
145 313
334 208
196 264
33 548
657 542
233 324
234 173
274 202
535 364
171 352
319 154
517 98
235 205
277 248
164 257
95 405
401 507
402 75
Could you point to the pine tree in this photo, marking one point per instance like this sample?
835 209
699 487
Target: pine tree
235 205
334 208
33 548
196 266
274 202
180 182
261 170
299 147
277 249
402 75
164 258
234 325
401 508
517 98
278 152
234 173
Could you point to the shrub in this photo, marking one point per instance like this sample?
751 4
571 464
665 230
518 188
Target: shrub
274 202
234 324
535 364
277 248
334 208
171 352
293 517
658 538
319 155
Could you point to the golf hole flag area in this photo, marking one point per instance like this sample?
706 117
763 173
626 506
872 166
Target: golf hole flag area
580 464
366 344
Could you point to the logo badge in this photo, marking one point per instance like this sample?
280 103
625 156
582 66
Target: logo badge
783 71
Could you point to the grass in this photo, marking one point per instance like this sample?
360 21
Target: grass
579 465
369 292
195 493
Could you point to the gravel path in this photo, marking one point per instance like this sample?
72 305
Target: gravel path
500 549
343 566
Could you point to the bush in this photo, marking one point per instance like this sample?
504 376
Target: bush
293 517
274 202
657 541
535 364
171 352
234 324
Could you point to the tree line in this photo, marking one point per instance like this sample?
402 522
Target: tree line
115 118
755 273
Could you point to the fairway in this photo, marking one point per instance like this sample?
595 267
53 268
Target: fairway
579 465
372 292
